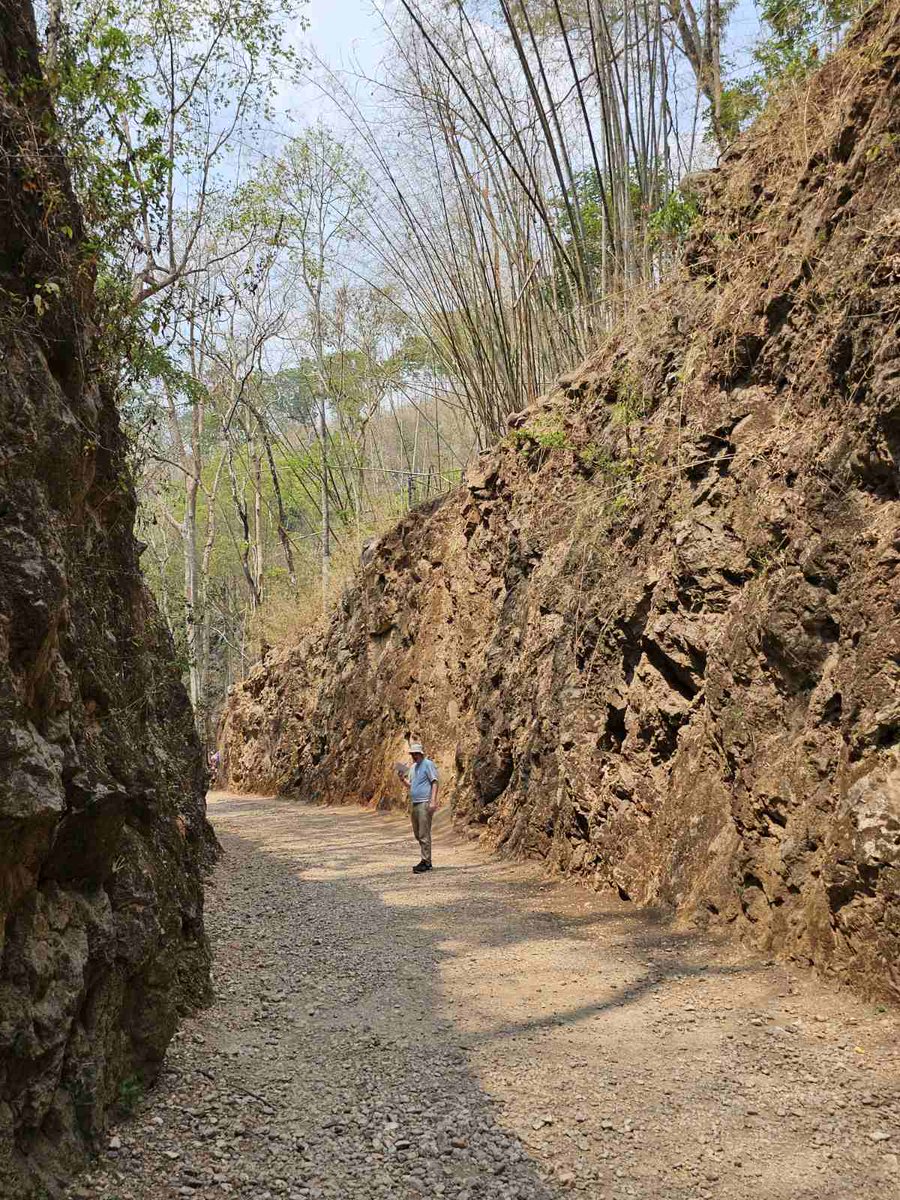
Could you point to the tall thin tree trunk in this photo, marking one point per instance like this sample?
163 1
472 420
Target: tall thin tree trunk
326 509
189 541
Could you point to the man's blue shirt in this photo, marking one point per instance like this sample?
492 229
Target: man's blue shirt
421 777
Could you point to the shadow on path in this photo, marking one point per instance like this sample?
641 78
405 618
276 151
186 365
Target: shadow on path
481 1034
528 977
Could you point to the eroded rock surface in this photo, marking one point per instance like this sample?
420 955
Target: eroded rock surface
656 638
102 827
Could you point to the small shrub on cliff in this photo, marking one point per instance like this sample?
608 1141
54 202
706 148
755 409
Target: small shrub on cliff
599 460
544 434
630 402
674 219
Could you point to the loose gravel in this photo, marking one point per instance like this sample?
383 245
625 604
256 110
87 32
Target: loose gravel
483 1032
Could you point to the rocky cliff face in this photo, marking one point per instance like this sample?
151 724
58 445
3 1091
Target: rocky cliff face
656 639
102 832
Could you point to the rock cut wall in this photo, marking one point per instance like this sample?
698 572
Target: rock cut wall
102 827
655 640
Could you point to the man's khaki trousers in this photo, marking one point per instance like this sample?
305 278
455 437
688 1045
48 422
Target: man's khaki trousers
421 823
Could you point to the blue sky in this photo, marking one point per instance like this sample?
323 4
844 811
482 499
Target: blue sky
344 29
352 34
343 33
340 29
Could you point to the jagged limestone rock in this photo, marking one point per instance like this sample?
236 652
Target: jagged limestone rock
658 640
102 828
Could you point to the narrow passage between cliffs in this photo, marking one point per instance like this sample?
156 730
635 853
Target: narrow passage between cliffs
483 1032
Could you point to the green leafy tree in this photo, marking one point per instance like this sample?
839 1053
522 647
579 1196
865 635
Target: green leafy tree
314 198
795 36
152 98
798 34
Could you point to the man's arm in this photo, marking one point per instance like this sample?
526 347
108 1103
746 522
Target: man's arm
433 802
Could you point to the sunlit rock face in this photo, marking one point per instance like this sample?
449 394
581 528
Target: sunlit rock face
655 640
102 828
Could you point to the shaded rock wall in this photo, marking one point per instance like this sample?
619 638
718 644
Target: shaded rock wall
656 638
102 828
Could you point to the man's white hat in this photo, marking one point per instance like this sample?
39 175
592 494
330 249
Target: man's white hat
416 748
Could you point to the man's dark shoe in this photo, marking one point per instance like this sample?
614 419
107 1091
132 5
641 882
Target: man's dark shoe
421 867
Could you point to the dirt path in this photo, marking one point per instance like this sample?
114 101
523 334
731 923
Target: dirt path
479 1032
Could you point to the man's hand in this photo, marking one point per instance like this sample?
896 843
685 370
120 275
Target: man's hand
433 804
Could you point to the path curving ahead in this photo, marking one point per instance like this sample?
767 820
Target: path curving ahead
481 1032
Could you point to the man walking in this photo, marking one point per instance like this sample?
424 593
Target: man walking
422 781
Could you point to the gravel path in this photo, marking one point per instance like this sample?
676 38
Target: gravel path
481 1032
